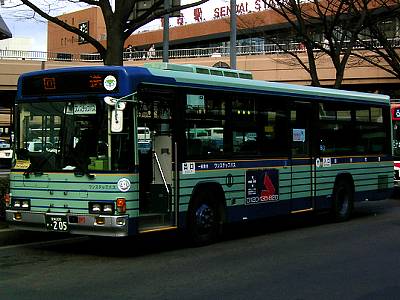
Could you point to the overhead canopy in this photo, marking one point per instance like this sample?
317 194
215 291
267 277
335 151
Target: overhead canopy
4 31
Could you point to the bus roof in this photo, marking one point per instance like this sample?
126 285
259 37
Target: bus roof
259 86
161 75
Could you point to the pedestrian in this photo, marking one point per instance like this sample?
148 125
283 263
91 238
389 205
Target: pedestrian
129 51
325 45
152 52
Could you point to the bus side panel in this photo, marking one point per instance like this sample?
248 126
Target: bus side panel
233 182
301 185
372 179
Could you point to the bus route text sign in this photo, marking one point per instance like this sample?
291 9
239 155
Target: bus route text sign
85 109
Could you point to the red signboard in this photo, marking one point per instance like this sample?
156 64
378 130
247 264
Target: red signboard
396 112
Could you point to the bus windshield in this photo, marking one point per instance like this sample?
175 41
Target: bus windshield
62 136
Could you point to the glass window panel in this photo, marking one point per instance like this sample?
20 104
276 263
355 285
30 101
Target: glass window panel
370 138
244 133
205 107
205 115
376 115
326 113
362 115
273 128
344 115
335 138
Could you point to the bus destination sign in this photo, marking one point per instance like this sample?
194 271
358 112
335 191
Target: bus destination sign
69 84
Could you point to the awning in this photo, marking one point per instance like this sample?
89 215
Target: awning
4 31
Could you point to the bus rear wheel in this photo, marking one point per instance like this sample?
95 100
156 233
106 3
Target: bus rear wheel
203 222
342 201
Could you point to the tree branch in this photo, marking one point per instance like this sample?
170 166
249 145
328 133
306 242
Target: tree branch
100 48
152 14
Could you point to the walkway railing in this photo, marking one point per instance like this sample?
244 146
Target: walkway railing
173 54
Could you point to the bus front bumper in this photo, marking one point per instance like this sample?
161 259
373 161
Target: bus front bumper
100 225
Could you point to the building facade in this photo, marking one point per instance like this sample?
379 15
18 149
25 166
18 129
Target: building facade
201 34
6 99
89 20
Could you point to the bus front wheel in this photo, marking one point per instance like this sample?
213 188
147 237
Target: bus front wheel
342 201
203 222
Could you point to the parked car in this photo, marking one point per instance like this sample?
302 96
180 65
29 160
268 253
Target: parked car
38 147
4 144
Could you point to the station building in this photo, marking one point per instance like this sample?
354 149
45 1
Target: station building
6 96
252 28
256 26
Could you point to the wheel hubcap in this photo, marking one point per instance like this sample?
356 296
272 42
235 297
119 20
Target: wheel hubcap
343 201
205 217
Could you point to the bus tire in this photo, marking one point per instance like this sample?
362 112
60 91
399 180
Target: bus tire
343 201
203 219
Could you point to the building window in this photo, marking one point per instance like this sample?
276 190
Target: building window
84 27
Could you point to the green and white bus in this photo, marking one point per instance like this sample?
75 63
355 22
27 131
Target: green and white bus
219 147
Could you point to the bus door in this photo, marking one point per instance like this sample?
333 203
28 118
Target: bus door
156 158
302 178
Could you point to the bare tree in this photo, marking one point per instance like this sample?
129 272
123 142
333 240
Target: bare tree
330 27
120 23
381 37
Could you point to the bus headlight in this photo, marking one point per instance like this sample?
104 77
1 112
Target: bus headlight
96 208
106 208
22 204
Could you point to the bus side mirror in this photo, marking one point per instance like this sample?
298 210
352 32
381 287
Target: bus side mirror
117 117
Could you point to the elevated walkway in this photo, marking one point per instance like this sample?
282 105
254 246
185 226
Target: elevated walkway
277 66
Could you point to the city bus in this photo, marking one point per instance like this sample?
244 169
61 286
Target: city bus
276 149
395 107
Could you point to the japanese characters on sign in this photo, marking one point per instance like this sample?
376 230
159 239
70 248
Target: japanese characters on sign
199 13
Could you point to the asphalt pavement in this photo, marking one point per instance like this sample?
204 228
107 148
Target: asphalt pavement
9 236
3 224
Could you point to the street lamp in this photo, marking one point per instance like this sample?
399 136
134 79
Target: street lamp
232 49
166 33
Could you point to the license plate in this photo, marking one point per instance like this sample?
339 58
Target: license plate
57 223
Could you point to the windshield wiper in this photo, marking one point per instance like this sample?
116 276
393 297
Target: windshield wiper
82 169
35 167
80 173
33 170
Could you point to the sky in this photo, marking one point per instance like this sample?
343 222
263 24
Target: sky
23 27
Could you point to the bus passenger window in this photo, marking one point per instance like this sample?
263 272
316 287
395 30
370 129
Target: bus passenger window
273 128
336 130
205 122
244 141
244 129
204 141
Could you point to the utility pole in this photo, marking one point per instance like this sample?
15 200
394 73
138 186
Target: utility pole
232 49
166 33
